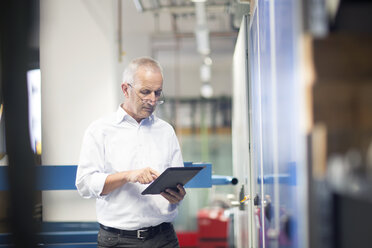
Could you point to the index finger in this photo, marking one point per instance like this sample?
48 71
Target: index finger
154 173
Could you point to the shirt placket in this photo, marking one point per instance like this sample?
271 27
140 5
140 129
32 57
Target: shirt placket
141 151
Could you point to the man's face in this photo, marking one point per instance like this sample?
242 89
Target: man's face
143 94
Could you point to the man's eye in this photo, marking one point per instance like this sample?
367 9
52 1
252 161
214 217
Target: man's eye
157 93
145 92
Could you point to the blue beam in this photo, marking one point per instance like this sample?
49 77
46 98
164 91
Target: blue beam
62 177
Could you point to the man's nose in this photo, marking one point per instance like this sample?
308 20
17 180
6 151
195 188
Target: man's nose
152 103
153 97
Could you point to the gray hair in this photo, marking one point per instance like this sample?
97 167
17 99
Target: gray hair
129 75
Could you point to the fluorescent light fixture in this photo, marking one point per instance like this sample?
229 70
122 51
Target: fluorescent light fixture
206 90
208 61
34 105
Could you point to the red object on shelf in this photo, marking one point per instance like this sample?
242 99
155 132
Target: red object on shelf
213 228
188 239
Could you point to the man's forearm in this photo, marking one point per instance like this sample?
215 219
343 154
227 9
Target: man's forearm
113 182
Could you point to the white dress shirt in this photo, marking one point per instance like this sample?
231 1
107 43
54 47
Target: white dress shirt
117 143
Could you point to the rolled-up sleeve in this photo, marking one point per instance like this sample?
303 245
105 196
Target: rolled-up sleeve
90 176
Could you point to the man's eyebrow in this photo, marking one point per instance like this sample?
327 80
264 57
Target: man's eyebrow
146 88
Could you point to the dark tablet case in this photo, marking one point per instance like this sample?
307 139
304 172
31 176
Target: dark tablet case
170 178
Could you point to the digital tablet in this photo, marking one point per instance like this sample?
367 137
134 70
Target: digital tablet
170 178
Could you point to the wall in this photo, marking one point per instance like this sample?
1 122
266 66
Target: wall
78 54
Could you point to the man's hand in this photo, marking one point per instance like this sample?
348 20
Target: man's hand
143 176
174 196
114 181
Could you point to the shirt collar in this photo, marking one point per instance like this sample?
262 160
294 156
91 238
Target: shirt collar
122 115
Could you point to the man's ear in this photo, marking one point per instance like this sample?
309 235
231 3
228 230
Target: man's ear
124 88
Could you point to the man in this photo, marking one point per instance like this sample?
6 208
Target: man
121 154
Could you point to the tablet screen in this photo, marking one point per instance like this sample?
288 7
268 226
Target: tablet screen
170 178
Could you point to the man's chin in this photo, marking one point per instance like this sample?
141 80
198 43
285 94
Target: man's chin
147 112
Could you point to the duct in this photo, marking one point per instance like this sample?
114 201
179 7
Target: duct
138 5
201 30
